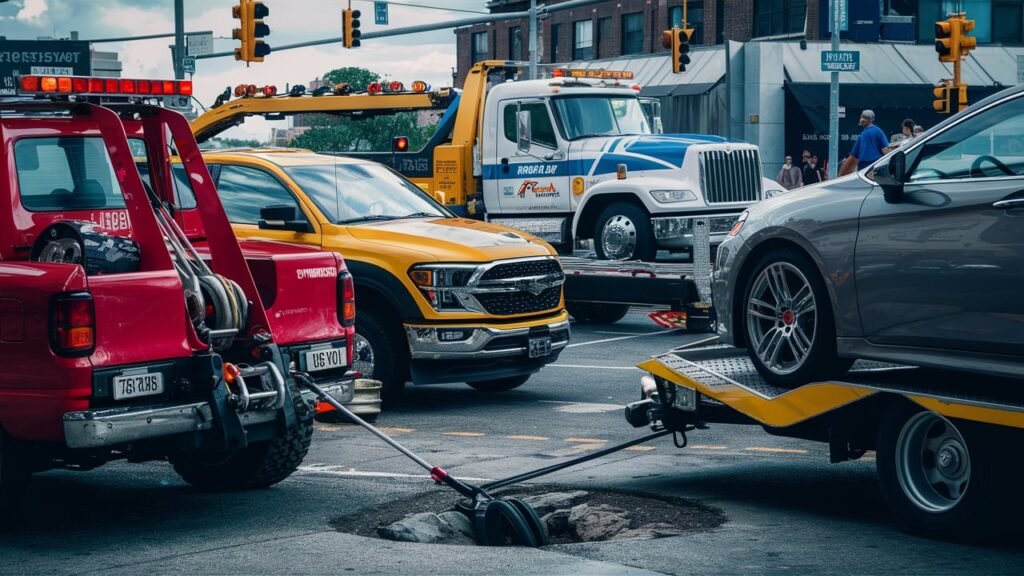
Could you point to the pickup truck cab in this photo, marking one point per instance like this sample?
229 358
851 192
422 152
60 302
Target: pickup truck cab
441 298
119 339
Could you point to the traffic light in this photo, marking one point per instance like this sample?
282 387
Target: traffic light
250 28
961 96
680 40
350 27
941 93
967 43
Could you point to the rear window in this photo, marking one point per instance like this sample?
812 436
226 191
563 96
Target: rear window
66 173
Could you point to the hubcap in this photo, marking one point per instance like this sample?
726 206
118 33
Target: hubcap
781 317
932 462
364 360
618 238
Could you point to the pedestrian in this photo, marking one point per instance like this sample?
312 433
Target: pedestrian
906 133
805 157
812 173
918 130
790 176
870 145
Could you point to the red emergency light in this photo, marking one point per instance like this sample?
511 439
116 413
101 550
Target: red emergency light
374 88
87 85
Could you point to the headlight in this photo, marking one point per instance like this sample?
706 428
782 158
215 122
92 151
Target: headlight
773 193
739 224
440 284
666 196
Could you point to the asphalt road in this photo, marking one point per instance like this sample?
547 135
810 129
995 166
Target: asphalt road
789 511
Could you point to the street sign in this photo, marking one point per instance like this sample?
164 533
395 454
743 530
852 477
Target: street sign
188 64
380 13
844 18
69 57
840 61
200 44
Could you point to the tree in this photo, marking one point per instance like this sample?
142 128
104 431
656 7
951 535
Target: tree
234 143
343 134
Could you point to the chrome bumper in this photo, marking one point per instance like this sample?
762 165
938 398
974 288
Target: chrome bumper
361 395
113 426
476 342
677 231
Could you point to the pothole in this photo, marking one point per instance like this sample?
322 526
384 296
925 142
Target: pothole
569 515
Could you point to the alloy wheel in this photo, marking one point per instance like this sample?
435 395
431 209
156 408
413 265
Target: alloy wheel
782 317
364 358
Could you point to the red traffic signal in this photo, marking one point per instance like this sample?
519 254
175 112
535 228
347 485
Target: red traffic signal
400 144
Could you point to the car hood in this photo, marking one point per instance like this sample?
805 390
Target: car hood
818 204
602 154
453 239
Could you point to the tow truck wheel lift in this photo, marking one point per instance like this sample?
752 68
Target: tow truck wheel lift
946 452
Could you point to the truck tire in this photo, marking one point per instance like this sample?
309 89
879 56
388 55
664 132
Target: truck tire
787 318
255 466
14 478
624 232
940 477
384 350
594 313
499 384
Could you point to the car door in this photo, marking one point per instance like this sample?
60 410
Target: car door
245 190
943 267
536 181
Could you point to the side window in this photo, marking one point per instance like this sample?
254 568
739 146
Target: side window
71 173
540 122
988 145
244 191
184 198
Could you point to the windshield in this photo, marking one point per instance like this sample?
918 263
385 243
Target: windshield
353 193
582 116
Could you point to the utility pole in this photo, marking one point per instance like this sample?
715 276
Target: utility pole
833 98
533 39
179 38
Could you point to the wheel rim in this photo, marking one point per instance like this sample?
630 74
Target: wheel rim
782 317
364 359
618 238
932 462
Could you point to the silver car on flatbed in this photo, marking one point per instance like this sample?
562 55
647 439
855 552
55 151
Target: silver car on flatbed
918 259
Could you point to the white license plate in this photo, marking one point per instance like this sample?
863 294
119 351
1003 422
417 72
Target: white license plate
540 347
325 359
135 385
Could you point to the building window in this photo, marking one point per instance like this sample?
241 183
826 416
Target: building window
480 47
604 37
1007 22
720 22
583 40
694 19
515 43
776 17
633 33
555 30
898 7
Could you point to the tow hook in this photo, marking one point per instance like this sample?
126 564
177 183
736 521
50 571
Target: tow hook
643 413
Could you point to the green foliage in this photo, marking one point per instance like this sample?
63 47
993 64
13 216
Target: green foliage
338 134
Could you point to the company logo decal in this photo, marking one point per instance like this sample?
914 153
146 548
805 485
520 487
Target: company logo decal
312 273
537 190
536 169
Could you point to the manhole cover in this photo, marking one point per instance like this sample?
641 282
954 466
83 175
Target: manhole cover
569 515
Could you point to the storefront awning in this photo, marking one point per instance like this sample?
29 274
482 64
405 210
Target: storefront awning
653 72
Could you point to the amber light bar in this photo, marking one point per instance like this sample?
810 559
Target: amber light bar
595 74
80 85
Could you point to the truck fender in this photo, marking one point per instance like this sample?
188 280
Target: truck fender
637 189
380 280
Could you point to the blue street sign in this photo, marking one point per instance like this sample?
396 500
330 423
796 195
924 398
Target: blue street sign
380 13
840 61
843 16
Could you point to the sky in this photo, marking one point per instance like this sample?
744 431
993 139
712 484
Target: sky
427 56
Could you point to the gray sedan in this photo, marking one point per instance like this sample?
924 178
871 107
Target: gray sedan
918 259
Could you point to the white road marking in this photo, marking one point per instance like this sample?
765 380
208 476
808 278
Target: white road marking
619 333
592 342
349 472
583 407
591 366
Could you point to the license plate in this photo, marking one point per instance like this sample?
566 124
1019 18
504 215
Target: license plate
540 347
135 385
325 359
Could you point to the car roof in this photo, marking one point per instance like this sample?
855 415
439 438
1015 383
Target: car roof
285 156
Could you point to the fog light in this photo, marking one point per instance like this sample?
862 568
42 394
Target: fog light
685 399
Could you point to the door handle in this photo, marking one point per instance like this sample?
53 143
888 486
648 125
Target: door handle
1009 203
504 164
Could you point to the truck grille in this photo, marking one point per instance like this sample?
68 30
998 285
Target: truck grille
728 177
507 303
522 269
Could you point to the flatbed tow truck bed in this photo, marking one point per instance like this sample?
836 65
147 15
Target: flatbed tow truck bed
947 443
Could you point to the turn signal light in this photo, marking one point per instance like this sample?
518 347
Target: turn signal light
424 278
73 324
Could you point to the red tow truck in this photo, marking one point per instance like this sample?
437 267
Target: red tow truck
122 338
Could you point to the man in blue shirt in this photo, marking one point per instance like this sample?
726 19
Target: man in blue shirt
870 145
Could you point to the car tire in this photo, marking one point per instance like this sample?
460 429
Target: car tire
623 232
258 465
378 340
593 313
911 445
787 319
499 384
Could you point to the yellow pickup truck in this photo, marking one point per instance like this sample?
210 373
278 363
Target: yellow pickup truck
439 298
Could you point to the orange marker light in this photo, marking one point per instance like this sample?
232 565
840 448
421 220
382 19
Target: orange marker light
49 84
231 372
420 86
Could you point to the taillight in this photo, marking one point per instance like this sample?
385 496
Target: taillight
73 324
347 304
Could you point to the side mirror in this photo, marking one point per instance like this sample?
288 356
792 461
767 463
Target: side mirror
524 132
891 174
282 217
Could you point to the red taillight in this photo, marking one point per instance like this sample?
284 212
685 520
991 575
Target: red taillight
347 312
73 324
185 88
30 83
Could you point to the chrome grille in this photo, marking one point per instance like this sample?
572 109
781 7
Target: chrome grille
729 177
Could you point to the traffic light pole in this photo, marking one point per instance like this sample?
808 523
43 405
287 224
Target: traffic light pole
533 39
179 38
833 99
